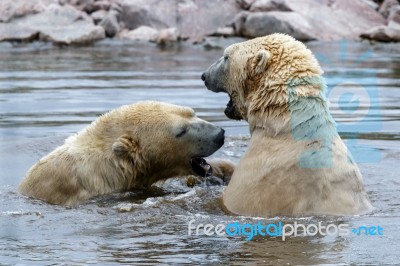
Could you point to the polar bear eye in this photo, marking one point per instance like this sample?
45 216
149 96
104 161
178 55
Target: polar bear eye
226 57
180 134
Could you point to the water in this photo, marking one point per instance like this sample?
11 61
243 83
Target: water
48 93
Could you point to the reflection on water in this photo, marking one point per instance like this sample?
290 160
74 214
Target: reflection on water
48 93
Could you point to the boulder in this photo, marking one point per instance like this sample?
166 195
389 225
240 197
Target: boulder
80 32
387 6
12 32
152 13
377 33
110 23
339 19
62 24
168 36
10 9
199 18
142 33
262 23
245 4
98 16
269 5
194 19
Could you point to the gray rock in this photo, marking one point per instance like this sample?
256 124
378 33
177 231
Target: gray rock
11 32
386 6
218 43
199 18
269 5
339 19
168 36
193 18
245 4
80 32
10 9
394 14
143 33
224 31
393 31
152 13
378 34
260 23
110 23
98 16
62 24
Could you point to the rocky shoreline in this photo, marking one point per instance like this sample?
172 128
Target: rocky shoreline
169 21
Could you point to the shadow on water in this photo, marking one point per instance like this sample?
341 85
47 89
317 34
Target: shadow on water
48 93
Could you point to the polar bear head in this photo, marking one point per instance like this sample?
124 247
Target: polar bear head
259 75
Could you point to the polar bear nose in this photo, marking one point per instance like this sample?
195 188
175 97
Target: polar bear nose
203 76
219 140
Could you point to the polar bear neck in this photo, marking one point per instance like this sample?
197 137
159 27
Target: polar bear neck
301 118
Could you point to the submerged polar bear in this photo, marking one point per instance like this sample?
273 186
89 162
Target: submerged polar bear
296 163
130 147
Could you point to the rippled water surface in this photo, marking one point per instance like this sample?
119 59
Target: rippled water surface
48 93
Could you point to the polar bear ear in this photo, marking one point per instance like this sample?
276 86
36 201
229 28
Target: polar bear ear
261 61
125 146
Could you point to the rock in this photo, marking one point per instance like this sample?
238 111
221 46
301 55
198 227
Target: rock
143 33
11 32
390 32
82 5
193 18
393 31
262 23
152 13
371 4
394 14
378 34
269 5
225 31
98 16
199 18
110 23
62 24
330 20
245 4
10 9
168 37
386 6
220 42
80 32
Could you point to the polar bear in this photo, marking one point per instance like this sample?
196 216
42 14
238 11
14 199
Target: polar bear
130 147
296 163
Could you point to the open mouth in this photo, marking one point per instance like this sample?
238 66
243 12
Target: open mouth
201 167
230 110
